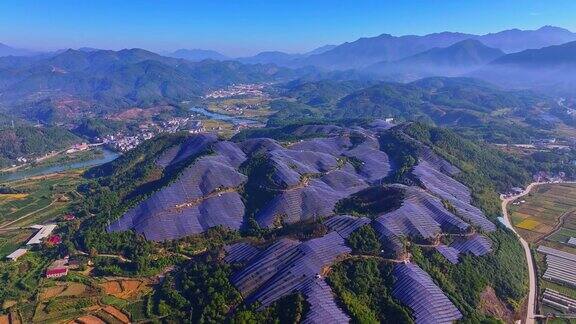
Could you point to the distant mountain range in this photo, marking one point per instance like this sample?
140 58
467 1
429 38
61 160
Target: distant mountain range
551 68
6 50
453 60
197 55
71 82
367 51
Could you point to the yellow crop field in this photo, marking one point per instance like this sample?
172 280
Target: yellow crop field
11 197
548 211
528 224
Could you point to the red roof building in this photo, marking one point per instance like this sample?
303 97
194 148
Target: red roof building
69 217
54 240
56 272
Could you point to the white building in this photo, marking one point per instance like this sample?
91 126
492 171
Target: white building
16 254
43 233
572 241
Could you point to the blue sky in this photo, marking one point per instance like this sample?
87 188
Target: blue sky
244 27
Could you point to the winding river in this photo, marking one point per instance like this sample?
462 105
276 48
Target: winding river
19 175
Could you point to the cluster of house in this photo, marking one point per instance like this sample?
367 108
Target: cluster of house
238 90
124 142
44 234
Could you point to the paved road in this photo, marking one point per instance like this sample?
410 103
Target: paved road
531 266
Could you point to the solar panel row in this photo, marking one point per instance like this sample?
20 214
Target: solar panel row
421 216
200 198
240 252
415 288
191 147
346 224
289 266
476 244
456 193
323 308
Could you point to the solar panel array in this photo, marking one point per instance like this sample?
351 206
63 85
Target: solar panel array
456 193
240 252
437 162
316 199
259 145
289 266
203 196
315 130
346 224
375 164
415 288
475 244
421 216
232 154
560 266
450 253
323 308
329 145
309 178
191 147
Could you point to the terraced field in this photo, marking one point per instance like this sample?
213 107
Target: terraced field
41 199
548 216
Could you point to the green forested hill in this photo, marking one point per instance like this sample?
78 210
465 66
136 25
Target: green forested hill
28 141
476 108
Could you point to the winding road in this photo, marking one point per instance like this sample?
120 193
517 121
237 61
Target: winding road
528 254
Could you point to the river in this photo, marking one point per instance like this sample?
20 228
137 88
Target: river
19 175
231 119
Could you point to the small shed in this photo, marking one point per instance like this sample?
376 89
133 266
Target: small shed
16 254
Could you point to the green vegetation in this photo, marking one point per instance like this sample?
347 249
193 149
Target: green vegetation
20 279
371 201
363 287
364 241
27 141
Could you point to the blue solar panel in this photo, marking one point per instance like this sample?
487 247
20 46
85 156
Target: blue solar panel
289 266
191 147
417 290
323 308
421 216
240 252
456 193
203 196
475 244
450 253
345 224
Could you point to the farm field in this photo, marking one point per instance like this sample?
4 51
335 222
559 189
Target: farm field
38 199
77 298
10 240
251 107
548 216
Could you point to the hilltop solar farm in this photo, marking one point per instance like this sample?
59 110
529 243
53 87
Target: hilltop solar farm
293 213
